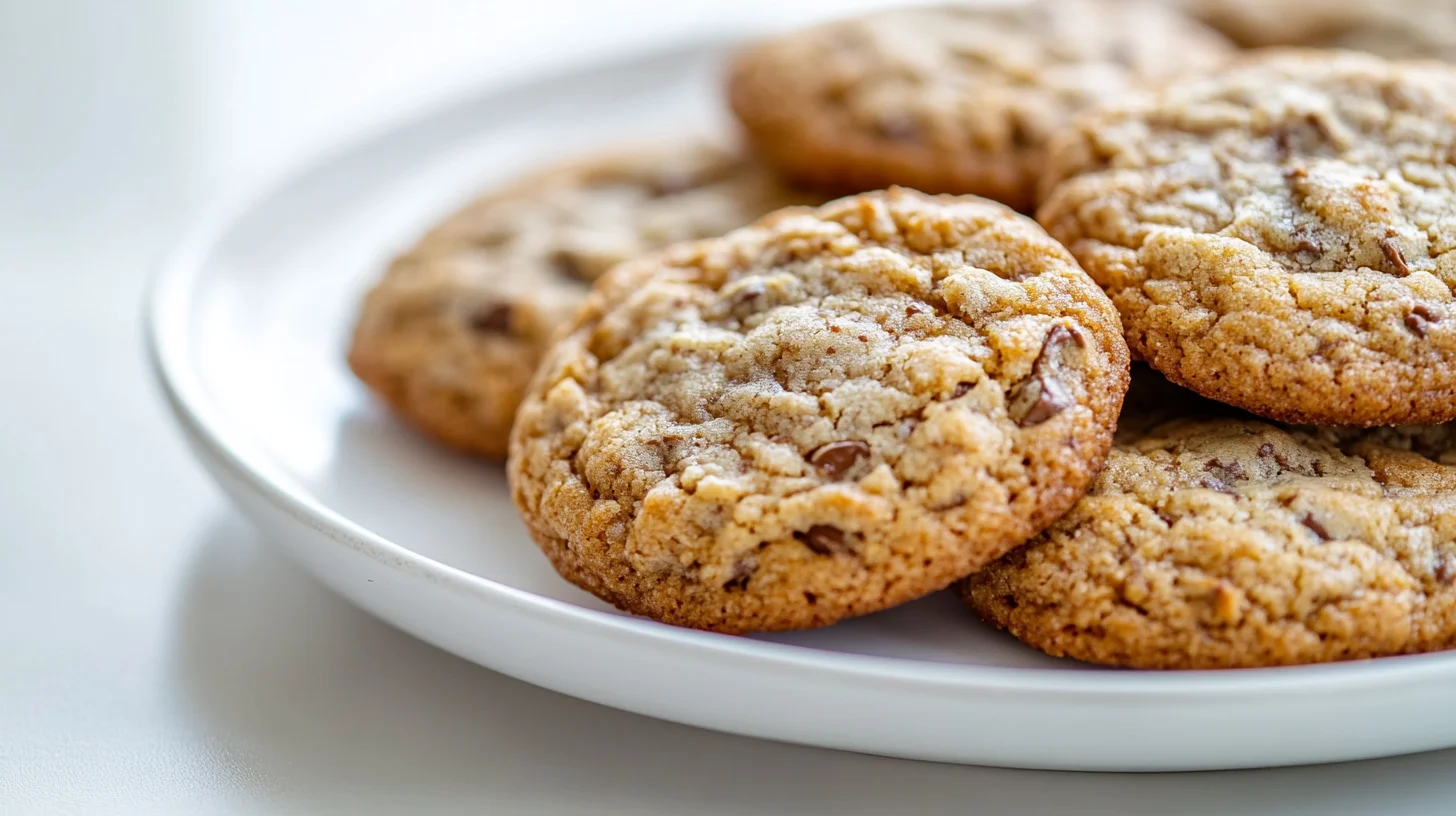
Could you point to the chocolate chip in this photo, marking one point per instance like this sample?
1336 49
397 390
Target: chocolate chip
1316 526
838 458
898 127
961 390
1040 399
1224 471
1023 135
568 265
1445 570
1313 133
1043 395
1392 253
1306 252
1320 125
1058 338
824 540
745 300
493 318
1281 143
741 572
1420 319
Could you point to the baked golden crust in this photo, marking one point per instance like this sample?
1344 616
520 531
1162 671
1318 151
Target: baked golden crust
1278 235
824 414
952 99
1227 543
450 336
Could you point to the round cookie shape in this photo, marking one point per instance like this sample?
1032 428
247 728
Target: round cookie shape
1234 543
450 336
1278 236
953 99
824 414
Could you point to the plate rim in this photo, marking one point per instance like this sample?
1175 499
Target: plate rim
167 308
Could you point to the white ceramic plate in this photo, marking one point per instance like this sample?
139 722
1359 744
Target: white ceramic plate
248 326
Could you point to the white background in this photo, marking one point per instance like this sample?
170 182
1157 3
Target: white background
155 656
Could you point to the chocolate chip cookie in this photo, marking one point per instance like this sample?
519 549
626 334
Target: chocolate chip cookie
953 99
449 338
1225 542
824 414
1279 235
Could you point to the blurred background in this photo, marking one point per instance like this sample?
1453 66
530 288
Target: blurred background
120 117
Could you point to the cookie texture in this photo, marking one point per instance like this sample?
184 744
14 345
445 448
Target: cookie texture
1396 29
824 414
450 336
1227 543
1279 235
952 99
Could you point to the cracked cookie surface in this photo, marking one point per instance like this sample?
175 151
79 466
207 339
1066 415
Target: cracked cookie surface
1278 236
821 415
1225 542
952 99
450 336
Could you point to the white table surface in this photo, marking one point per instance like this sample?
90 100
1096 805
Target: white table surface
155 655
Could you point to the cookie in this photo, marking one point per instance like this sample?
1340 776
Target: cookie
1228 543
824 414
450 336
952 99
1396 29
1278 235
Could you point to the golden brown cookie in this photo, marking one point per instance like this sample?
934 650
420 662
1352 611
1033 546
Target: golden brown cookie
1226 543
1279 235
952 99
824 414
450 336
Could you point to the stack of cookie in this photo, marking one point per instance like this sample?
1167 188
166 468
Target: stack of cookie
835 410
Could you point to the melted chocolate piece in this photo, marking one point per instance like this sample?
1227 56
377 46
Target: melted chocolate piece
838 458
824 540
493 318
